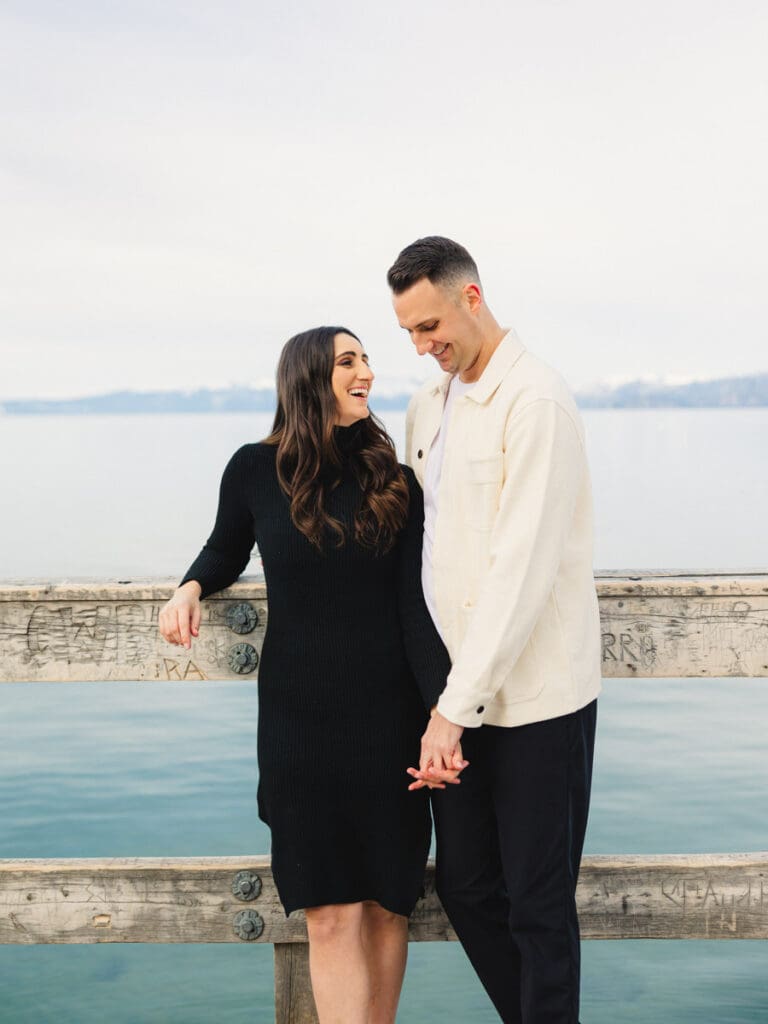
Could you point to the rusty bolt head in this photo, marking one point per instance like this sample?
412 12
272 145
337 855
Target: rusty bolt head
248 925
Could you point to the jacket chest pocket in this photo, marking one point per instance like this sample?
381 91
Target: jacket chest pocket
484 479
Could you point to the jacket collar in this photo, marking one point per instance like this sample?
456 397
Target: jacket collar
507 353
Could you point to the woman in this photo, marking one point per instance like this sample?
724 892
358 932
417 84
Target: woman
338 525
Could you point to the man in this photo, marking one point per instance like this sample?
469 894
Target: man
498 446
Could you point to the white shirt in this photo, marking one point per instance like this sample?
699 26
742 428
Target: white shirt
432 472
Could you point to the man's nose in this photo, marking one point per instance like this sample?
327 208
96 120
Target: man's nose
423 345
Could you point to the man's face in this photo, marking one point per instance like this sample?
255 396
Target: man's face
442 322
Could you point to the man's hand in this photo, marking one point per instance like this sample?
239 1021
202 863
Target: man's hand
441 758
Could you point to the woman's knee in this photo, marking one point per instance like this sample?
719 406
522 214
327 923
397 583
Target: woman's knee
376 916
334 921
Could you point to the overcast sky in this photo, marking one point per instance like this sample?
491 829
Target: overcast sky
185 185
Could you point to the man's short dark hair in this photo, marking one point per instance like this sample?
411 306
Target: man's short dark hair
438 259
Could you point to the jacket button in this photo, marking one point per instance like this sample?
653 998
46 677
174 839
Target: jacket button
420 454
481 709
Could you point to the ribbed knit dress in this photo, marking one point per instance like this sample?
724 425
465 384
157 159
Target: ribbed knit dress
350 659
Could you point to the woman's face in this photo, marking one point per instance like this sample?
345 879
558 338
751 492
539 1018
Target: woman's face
351 380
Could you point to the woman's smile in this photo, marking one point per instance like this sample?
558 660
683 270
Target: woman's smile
351 380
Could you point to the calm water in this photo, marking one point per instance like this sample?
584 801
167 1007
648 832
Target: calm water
169 769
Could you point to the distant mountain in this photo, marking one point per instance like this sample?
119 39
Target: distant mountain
122 402
730 392
207 400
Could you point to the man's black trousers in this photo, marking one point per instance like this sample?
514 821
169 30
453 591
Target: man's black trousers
509 842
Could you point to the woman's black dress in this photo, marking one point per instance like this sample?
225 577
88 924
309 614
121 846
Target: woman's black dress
340 716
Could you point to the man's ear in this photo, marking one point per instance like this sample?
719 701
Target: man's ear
472 296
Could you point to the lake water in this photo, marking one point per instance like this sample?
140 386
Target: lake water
169 769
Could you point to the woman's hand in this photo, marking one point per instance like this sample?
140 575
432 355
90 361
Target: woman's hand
179 618
440 745
452 778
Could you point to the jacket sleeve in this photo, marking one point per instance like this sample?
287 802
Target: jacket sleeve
228 549
543 470
424 650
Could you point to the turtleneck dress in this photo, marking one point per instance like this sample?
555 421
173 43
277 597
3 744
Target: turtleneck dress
350 662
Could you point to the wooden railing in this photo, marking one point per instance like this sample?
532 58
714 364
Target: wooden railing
654 625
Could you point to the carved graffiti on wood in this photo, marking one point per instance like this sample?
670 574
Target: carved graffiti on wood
111 640
690 894
665 636
633 645
135 633
66 634
90 634
173 669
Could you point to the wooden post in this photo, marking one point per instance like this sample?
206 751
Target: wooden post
293 989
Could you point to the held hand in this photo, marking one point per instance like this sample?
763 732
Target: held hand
422 783
441 758
179 618
440 779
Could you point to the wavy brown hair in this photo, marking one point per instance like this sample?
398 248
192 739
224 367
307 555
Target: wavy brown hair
309 461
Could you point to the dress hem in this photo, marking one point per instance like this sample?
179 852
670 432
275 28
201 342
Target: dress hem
344 902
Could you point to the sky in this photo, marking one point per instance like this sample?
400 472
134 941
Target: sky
183 186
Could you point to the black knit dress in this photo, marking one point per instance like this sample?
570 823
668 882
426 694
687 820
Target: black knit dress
348 640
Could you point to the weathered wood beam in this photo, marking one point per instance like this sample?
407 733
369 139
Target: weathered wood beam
103 631
667 625
661 624
714 896
674 896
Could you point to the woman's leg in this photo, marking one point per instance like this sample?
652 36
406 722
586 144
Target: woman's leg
357 954
385 942
337 963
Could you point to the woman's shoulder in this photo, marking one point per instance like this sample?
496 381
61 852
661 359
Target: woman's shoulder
413 485
409 475
250 458
254 451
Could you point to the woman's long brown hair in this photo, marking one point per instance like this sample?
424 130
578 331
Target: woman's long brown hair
309 461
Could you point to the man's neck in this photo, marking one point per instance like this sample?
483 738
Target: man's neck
491 340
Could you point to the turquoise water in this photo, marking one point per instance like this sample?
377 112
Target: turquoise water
159 769
167 769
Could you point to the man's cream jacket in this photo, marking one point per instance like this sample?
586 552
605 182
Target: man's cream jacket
512 554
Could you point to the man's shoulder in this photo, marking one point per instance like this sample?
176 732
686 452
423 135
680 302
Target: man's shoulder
532 379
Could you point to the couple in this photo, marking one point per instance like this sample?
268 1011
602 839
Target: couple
457 631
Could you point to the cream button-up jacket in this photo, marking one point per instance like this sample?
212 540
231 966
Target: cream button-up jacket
512 554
